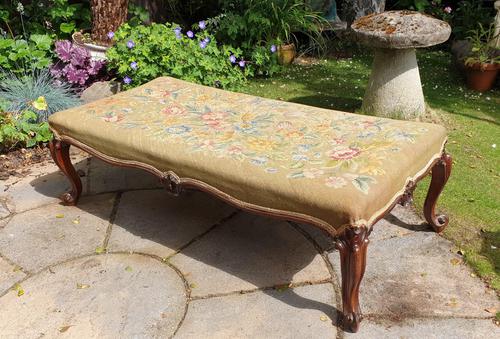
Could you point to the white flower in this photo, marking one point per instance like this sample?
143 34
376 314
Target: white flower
494 145
20 8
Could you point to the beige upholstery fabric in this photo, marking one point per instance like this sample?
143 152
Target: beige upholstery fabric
339 167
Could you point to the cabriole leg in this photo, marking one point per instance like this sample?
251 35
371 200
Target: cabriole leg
352 245
60 153
440 174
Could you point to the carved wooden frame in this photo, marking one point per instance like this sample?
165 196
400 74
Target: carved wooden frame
351 240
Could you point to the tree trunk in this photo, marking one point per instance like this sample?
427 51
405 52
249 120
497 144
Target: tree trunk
354 9
107 16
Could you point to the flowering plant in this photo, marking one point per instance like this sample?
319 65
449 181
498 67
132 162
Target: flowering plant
75 65
142 53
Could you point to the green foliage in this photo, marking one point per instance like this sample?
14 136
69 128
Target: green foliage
20 55
481 51
36 92
255 25
468 15
22 130
58 18
158 51
137 15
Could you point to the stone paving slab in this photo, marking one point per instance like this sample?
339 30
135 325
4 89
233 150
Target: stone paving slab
47 235
42 186
456 328
303 312
100 296
248 252
109 178
9 274
155 222
418 276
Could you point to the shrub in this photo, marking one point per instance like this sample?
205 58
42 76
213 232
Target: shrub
37 92
20 56
22 130
75 65
254 24
58 18
143 53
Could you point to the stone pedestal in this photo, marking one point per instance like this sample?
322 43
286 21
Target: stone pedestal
394 89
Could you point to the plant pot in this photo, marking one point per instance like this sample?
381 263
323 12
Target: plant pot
481 77
286 54
97 52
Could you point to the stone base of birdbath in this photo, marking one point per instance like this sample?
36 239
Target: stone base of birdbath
394 89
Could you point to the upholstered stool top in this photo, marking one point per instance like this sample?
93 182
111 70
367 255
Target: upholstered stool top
340 168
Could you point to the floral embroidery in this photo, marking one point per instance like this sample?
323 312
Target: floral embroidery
296 141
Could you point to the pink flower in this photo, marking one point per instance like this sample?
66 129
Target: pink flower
213 119
335 182
174 110
447 9
337 141
345 153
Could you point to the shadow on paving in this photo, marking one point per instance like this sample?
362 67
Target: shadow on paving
281 246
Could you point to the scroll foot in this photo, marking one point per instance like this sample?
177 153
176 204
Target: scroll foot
60 153
352 245
440 174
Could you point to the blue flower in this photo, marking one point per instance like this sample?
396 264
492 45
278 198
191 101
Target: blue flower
111 35
127 80
232 58
202 24
273 49
133 65
241 63
203 44
190 34
178 129
177 30
130 44
207 40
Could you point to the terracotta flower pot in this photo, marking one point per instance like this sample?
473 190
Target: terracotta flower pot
286 54
481 77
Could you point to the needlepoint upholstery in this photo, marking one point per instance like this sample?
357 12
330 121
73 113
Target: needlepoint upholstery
339 167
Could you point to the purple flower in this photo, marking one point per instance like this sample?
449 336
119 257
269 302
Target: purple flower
130 44
202 24
190 34
127 80
232 58
111 35
64 49
207 40
133 65
273 49
177 29
203 44
448 9
241 63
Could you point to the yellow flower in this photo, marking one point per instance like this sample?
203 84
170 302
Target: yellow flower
40 104
261 145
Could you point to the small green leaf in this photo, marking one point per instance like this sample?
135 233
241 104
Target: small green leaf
99 250
67 27
128 269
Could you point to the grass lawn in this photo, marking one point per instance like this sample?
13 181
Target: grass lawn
472 195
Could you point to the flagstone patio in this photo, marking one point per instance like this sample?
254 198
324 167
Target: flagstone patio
132 261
